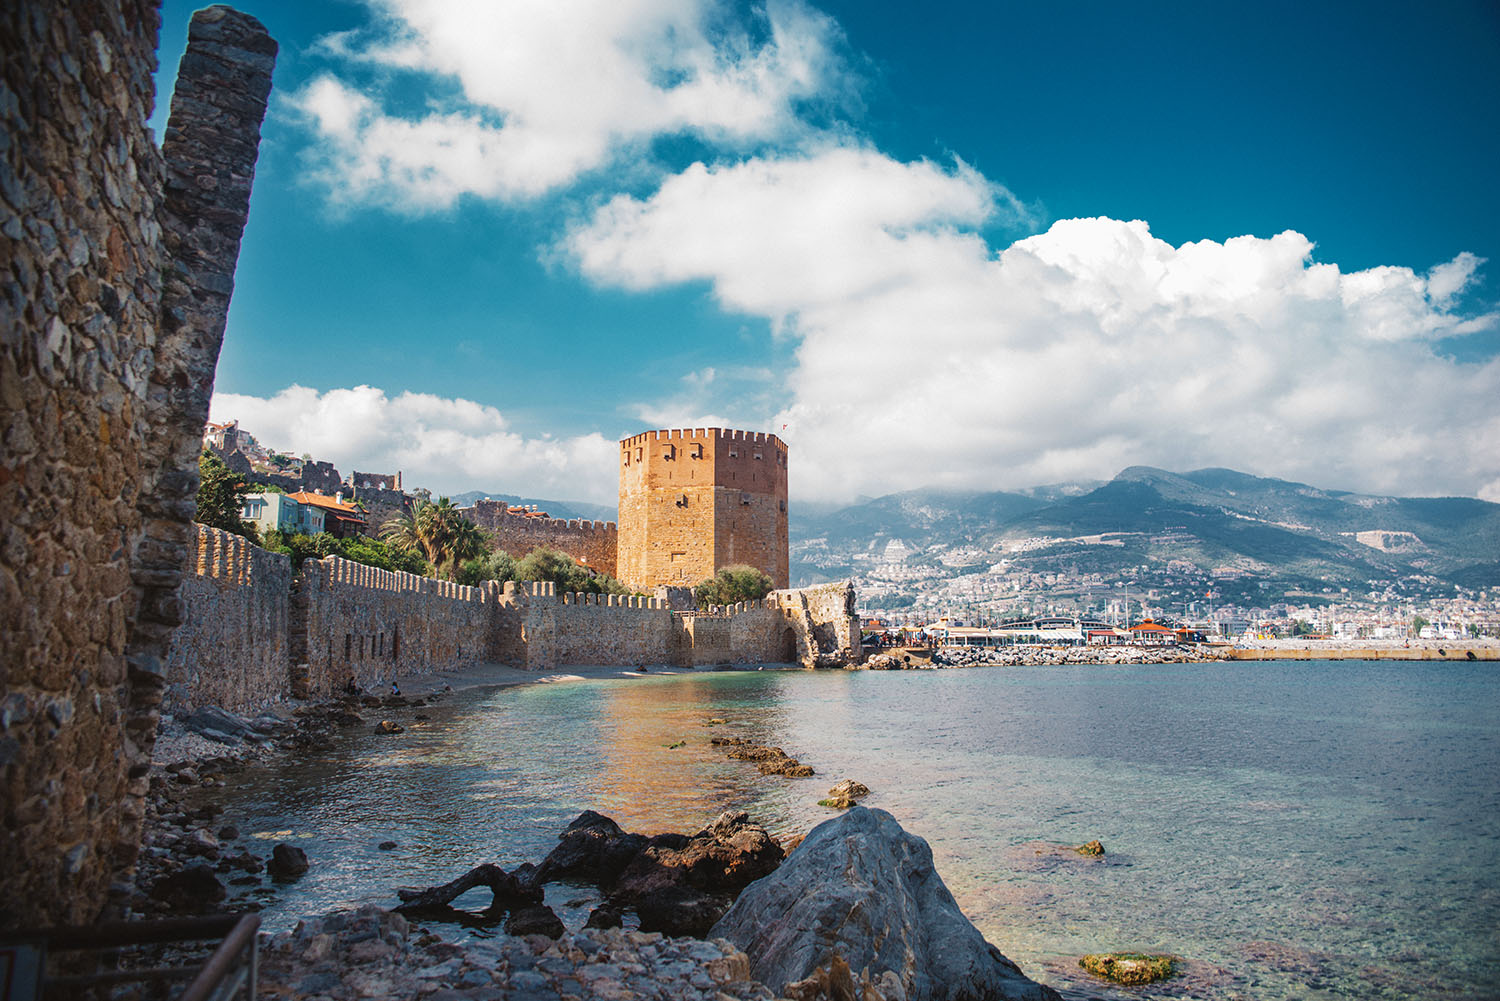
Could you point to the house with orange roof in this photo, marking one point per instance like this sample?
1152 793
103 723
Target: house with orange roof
341 519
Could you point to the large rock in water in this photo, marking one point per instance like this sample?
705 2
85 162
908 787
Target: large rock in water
861 888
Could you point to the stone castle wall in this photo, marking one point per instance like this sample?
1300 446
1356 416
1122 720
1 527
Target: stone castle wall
590 542
232 648
114 278
381 505
613 629
373 626
255 633
695 500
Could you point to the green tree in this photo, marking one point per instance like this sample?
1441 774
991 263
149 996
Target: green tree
1418 623
498 565
733 584
221 497
439 533
1301 627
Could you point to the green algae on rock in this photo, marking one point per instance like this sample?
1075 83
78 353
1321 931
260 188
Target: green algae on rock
1093 848
1129 968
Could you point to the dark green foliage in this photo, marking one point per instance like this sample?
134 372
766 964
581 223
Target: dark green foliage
732 584
541 564
438 533
498 565
221 497
358 549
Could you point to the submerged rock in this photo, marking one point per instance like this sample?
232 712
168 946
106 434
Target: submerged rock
535 919
1130 968
862 889
845 794
287 861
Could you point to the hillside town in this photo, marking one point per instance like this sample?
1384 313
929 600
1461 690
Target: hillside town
945 586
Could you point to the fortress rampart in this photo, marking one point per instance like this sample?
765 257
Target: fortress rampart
256 634
374 626
590 542
231 649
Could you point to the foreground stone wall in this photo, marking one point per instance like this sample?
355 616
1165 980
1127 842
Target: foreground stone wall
232 649
590 542
105 371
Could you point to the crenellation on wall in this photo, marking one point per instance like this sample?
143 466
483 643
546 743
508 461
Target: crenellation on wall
232 648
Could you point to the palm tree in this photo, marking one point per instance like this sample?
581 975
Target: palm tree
443 536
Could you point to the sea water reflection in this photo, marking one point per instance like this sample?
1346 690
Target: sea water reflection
1302 830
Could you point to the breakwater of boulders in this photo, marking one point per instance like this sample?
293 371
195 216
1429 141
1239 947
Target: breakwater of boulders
1043 656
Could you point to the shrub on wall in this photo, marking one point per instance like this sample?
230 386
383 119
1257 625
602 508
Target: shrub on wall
357 549
541 564
733 584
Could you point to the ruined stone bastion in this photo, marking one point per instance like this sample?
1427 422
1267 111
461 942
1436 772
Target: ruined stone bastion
116 269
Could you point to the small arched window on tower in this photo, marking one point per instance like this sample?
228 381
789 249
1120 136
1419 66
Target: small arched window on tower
744 497
669 453
697 452
757 455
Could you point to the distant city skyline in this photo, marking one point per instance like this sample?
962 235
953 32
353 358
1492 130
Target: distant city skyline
989 247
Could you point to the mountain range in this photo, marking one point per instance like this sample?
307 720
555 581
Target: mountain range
1291 535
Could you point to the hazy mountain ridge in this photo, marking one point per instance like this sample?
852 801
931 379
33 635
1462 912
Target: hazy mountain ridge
1218 520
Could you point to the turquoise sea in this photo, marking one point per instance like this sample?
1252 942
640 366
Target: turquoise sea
1293 829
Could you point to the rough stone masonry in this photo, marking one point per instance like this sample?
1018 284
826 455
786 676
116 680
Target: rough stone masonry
116 268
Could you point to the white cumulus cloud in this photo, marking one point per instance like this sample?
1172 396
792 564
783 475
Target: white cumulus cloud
551 89
447 445
926 356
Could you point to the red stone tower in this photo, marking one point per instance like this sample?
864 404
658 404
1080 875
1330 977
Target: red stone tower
695 500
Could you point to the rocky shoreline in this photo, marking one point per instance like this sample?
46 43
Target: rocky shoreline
655 935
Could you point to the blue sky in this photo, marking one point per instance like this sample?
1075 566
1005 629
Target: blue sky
988 247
